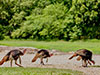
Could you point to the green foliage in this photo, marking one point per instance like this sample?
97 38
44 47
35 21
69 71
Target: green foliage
50 19
1 33
47 25
86 15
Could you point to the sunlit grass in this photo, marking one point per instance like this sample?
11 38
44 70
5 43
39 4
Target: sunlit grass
93 45
36 71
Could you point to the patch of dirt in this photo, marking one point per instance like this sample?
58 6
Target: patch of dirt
59 60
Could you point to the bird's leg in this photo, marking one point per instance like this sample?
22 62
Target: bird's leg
89 62
17 64
42 61
11 62
84 64
11 59
47 60
19 59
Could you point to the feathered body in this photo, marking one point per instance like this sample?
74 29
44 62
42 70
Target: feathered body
13 55
85 55
42 54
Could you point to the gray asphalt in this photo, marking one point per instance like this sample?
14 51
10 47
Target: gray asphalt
58 61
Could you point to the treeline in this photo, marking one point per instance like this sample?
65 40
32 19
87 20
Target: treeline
50 19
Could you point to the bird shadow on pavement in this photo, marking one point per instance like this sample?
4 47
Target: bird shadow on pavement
95 66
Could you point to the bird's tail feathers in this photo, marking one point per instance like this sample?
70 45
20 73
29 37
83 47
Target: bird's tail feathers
4 60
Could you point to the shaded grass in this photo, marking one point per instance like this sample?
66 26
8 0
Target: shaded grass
36 71
93 45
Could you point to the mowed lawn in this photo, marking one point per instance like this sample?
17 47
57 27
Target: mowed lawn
93 45
36 71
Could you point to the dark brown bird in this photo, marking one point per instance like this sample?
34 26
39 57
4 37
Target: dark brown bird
42 54
13 55
85 55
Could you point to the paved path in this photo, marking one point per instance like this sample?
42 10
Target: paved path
58 61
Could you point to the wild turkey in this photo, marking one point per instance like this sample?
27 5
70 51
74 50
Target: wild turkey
13 55
85 55
42 54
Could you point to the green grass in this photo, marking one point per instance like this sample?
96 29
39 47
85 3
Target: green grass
93 45
36 71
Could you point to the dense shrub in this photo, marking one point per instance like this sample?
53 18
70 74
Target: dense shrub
50 19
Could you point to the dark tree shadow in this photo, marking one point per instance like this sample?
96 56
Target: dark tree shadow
94 66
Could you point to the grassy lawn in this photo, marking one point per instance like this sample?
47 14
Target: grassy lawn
36 71
93 45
